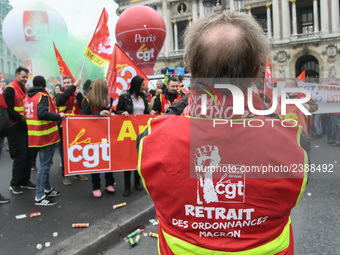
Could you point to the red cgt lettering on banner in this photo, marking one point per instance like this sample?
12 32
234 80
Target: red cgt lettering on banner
95 144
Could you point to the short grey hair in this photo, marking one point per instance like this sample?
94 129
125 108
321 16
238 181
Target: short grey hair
229 45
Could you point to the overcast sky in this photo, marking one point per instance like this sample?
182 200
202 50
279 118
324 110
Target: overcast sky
81 16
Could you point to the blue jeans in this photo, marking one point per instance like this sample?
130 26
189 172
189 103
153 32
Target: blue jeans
43 177
335 121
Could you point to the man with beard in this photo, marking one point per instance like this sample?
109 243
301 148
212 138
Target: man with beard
14 96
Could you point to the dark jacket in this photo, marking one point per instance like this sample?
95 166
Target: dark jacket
61 98
43 106
125 103
88 110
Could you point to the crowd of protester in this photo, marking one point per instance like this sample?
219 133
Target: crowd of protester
69 100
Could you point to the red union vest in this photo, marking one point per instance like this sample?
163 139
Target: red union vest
71 107
202 211
19 97
40 132
183 91
165 103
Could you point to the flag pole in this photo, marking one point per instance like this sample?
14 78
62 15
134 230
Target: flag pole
81 71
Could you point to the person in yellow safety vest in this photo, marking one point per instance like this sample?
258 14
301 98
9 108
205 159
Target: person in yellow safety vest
14 96
69 101
207 198
167 98
41 119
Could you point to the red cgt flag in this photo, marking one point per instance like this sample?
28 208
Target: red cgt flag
63 69
302 76
120 73
2 76
268 81
99 49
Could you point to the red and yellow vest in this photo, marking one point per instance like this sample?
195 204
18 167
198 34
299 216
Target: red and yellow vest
2 100
19 97
165 103
40 132
71 107
226 212
183 91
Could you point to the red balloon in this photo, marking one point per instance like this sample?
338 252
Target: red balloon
140 32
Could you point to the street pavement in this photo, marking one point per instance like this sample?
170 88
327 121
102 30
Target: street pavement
75 205
315 220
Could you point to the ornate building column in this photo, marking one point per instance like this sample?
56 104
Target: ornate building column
168 39
175 35
316 16
335 16
269 21
232 5
276 20
324 17
201 8
294 17
194 10
285 19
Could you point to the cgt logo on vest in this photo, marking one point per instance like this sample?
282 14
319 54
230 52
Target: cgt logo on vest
230 188
89 148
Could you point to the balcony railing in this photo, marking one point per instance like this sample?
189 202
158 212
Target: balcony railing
305 36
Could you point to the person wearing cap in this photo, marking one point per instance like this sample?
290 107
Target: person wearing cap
41 119
202 207
69 101
14 96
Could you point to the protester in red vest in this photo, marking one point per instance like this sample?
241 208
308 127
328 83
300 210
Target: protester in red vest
167 98
69 101
207 198
98 102
14 96
41 119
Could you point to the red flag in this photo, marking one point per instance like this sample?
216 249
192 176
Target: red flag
28 65
2 76
63 69
268 81
99 49
120 73
302 76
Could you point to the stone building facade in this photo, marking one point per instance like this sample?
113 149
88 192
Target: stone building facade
303 34
8 61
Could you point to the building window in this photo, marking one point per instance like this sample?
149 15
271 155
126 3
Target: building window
260 15
306 25
2 65
181 26
9 67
